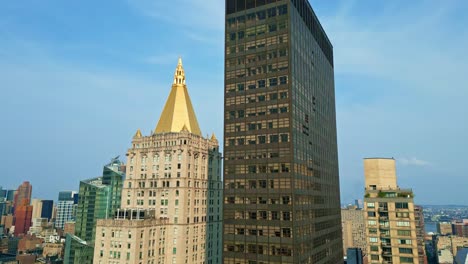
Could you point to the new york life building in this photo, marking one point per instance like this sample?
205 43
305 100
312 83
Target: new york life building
171 207
282 201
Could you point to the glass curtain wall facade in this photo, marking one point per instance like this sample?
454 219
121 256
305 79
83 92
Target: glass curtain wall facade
282 202
99 198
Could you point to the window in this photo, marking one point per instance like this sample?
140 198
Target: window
273 81
402 214
374 248
283 79
404 241
261 139
272 12
371 214
406 260
272 28
372 222
373 239
404 232
282 10
374 257
370 205
405 250
401 205
273 138
403 223
261 84
284 137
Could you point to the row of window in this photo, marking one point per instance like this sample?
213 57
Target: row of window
260 249
254 16
398 205
272 54
267 110
258 30
257 84
252 46
253 140
397 214
257 200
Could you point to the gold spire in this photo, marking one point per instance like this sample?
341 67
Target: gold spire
213 137
178 111
138 134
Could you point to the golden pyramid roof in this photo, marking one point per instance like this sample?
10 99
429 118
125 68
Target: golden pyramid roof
178 110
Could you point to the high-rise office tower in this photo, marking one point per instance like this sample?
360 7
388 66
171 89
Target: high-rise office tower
47 207
37 208
281 200
65 208
23 217
391 224
99 198
172 195
22 193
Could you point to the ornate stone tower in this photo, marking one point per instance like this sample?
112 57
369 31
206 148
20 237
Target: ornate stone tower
171 199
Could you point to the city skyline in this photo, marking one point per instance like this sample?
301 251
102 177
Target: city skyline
64 82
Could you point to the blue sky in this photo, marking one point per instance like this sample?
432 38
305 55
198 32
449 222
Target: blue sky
78 78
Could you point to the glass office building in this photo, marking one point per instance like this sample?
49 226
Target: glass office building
282 201
99 198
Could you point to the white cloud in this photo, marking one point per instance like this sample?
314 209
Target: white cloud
413 162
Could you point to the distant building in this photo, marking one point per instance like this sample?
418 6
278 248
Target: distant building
445 256
420 233
65 208
451 243
6 207
444 228
53 249
47 208
23 193
99 199
7 222
29 243
354 256
23 217
460 228
37 208
354 229
38 225
359 203
391 225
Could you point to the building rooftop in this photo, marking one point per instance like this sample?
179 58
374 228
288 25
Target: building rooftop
178 113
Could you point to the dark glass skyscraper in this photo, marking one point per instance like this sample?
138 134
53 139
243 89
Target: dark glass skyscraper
47 208
282 202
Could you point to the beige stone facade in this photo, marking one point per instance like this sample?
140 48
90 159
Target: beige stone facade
171 185
380 173
444 228
391 225
354 229
451 243
52 249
